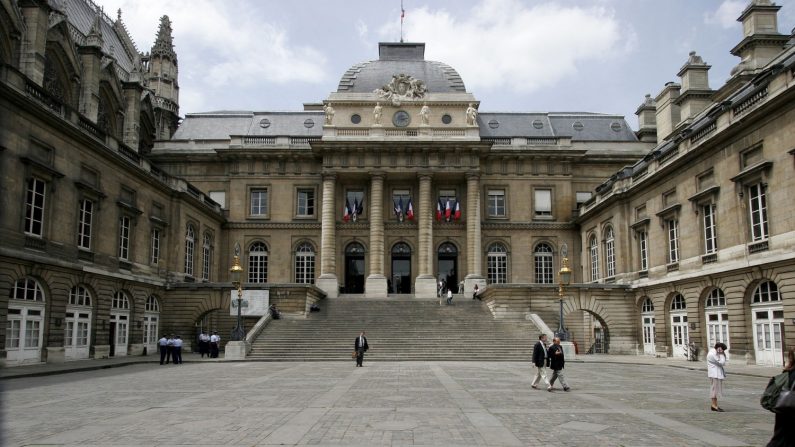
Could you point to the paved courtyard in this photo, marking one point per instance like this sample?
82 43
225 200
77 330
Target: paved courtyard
385 403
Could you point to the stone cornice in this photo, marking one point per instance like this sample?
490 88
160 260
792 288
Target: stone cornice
273 226
527 226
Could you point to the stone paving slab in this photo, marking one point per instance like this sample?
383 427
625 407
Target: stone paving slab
382 404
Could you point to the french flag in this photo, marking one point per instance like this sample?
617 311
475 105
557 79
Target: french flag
410 211
447 210
457 212
398 208
439 210
346 212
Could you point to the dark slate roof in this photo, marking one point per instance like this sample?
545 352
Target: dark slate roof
594 127
220 125
401 58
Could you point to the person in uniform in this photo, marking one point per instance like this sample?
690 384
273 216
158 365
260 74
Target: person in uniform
361 346
214 341
177 350
204 344
162 344
169 349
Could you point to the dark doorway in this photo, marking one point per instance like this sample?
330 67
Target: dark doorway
354 268
448 266
112 338
401 268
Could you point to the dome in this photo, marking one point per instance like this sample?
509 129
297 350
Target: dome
401 58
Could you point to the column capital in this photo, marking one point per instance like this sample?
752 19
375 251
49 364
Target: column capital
378 174
425 175
329 176
472 175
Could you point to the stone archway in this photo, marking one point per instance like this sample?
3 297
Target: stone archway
608 319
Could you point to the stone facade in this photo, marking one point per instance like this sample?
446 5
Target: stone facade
117 221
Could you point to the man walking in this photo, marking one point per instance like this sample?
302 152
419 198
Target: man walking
556 361
361 346
449 296
540 360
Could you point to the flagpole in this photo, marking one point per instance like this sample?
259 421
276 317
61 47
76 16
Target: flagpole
402 14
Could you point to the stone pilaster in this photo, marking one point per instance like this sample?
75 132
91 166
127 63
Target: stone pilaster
327 281
425 283
474 256
375 285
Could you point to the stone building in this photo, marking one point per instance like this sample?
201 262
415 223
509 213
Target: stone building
119 222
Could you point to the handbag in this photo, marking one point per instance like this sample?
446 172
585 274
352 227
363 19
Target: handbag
353 355
786 401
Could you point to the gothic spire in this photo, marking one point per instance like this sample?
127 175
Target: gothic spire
164 44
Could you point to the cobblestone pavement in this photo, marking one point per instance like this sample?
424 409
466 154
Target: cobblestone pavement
384 403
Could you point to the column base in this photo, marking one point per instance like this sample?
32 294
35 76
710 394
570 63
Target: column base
469 284
328 283
138 349
56 355
375 286
235 350
425 286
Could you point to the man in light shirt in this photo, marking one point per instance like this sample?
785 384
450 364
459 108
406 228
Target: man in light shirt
215 340
177 350
163 346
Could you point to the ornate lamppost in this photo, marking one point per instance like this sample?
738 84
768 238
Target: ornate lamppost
236 272
564 279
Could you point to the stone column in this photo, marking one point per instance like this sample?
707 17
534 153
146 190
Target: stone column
327 281
425 283
474 256
375 285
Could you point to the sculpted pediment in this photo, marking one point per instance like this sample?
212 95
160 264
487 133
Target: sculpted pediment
402 87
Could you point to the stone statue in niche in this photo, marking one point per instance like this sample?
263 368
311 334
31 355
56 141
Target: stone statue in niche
472 115
425 114
329 110
402 87
377 114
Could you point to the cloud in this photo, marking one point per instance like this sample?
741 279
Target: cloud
726 14
507 43
219 48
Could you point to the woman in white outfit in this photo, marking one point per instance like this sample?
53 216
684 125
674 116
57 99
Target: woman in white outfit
715 361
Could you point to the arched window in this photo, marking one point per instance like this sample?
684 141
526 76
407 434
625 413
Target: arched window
305 264
189 246
766 292
497 262
258 263
647 306
79 296
610 252
678 303
206 259
152 305
28 289
120 301
545 273
594 252
716 298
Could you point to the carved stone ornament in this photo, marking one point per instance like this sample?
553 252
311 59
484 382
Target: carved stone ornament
402 87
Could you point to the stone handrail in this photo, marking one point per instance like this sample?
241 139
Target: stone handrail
539 324
256 330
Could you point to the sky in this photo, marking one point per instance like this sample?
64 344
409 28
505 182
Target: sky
524 56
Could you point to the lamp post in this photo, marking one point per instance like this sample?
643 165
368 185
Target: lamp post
238 333
564 279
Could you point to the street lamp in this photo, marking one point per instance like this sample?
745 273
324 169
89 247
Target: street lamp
238 333
564 279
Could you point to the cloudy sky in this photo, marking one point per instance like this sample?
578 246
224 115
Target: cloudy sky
514 55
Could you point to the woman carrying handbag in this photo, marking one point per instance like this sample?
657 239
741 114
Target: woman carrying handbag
784 430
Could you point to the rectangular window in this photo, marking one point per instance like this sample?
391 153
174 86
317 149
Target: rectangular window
155 246
644 250
306 202
219 197
543 202
12 333
85 217
124 238
32 332
446 195
497 272
206 257
259 202
710 233
758 208
355 199
582 197
496 202
672 226
34 207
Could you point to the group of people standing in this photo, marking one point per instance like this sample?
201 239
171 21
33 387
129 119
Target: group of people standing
551 357
208 344
170 349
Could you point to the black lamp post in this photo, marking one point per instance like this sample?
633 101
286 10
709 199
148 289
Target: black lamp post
238 333
564 279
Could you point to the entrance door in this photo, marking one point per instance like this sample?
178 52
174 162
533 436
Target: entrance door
401 269
77 333
150 332
119 323
679 334
24 334
648 335
767 335
448 265
354 268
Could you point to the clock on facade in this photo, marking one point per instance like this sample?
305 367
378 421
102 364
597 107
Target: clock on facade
401 118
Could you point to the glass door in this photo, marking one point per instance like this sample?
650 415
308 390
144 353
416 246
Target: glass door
648 335
767 336
679 334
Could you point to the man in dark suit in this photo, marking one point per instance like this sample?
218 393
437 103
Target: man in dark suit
360 345
556 364
540 360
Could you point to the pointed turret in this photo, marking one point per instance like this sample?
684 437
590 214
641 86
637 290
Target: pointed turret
162 76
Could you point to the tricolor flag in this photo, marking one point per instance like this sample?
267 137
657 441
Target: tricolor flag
359 207
447 210
439 210
399 209
410 211
346 212
457 212
355 209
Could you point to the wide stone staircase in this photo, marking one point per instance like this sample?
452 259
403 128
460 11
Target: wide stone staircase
398 328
